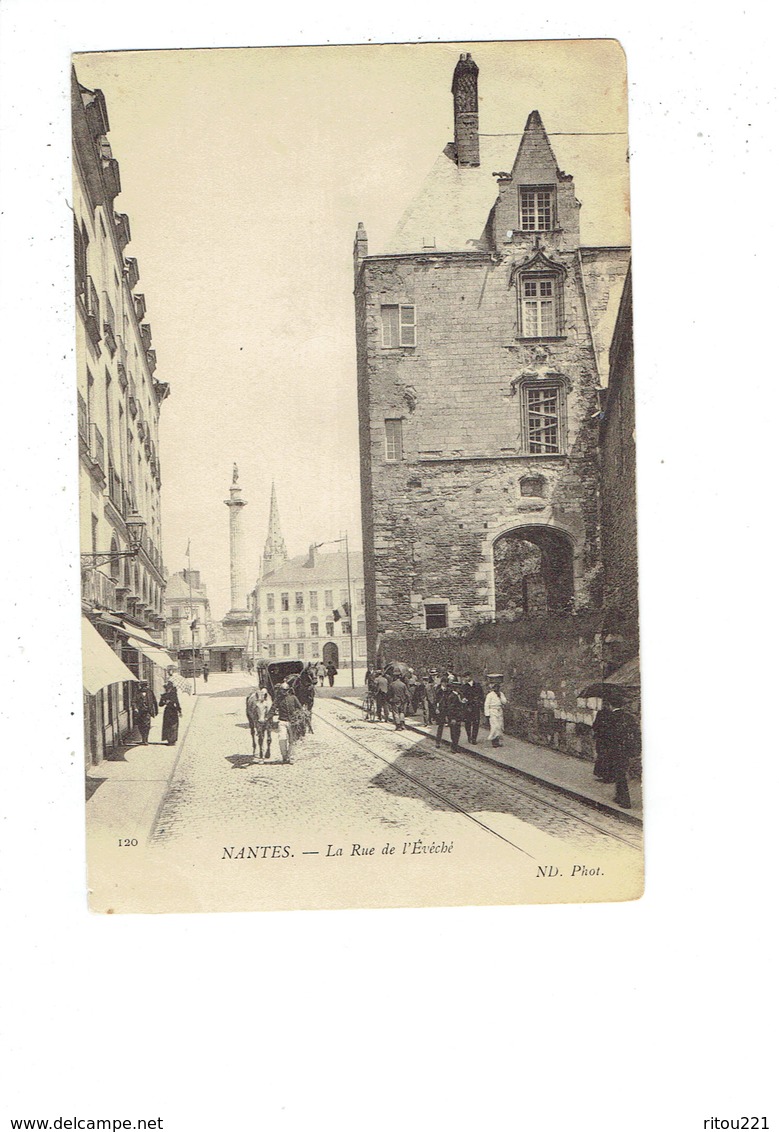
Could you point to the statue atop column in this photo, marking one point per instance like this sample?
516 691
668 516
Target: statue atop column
235 473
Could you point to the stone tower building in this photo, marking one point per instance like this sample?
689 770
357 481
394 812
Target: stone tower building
482 338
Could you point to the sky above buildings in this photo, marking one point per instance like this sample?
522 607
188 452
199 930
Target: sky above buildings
244 174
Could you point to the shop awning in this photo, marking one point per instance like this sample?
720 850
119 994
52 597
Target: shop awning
139 634
628 677
155 653
140 639
101 665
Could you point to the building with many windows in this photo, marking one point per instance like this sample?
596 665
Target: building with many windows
482 331
302 605
188 626
119 401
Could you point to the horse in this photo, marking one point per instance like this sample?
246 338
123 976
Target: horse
258 713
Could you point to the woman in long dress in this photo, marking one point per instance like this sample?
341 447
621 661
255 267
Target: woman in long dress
493 709
170 717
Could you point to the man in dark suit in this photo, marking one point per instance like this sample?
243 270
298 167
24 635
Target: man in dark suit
382 696
474 694
452 708
145 708
617 740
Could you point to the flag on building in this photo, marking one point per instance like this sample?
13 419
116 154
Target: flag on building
342 612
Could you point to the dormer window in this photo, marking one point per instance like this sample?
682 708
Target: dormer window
536 208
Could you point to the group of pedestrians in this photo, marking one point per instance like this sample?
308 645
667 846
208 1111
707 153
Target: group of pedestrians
146 709
445 700
326 672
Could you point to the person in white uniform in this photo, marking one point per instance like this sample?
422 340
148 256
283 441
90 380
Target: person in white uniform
493 709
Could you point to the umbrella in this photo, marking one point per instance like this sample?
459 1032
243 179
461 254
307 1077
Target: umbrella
398 668
627 677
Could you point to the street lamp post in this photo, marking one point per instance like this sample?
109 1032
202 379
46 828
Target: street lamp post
135 528
351 609
345 539
192 619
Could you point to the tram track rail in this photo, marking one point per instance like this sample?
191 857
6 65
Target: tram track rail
472 766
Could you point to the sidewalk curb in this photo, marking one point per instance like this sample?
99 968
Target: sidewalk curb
604 807
161 802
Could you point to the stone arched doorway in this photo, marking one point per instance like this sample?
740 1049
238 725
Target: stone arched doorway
330 654
533 567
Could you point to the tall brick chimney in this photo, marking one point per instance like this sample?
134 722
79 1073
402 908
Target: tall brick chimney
465 88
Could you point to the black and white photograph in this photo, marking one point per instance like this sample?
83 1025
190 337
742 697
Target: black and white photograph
357 476
388 570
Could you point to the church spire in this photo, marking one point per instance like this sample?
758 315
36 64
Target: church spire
275 549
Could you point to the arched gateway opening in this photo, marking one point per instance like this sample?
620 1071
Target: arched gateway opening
330 654
533 571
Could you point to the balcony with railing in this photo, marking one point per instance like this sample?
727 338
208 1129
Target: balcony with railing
97 448
111 178
109 324
92 307
122 364
83 421
122 229
98 589
131 272
116 491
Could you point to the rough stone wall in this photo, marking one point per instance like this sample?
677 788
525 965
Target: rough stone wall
366 476
436 513
618 497
545 662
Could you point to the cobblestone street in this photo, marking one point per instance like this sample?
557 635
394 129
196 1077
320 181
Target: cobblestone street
336 784
357 784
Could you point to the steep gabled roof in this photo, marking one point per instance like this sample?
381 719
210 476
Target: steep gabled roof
453 204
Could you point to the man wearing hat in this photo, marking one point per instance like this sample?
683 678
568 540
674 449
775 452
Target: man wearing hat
382 697
145 708
474 693
399 700
617 740
285 707
452 708
428 698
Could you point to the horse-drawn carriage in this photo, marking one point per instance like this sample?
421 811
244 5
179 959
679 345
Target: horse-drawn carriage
301 682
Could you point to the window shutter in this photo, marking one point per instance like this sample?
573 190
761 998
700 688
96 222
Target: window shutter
408 328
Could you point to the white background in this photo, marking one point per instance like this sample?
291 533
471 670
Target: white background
652 1015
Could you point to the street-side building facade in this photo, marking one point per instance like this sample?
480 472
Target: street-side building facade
301 604
186 602
483 330
119 399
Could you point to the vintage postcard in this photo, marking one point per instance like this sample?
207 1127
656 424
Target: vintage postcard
357 476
